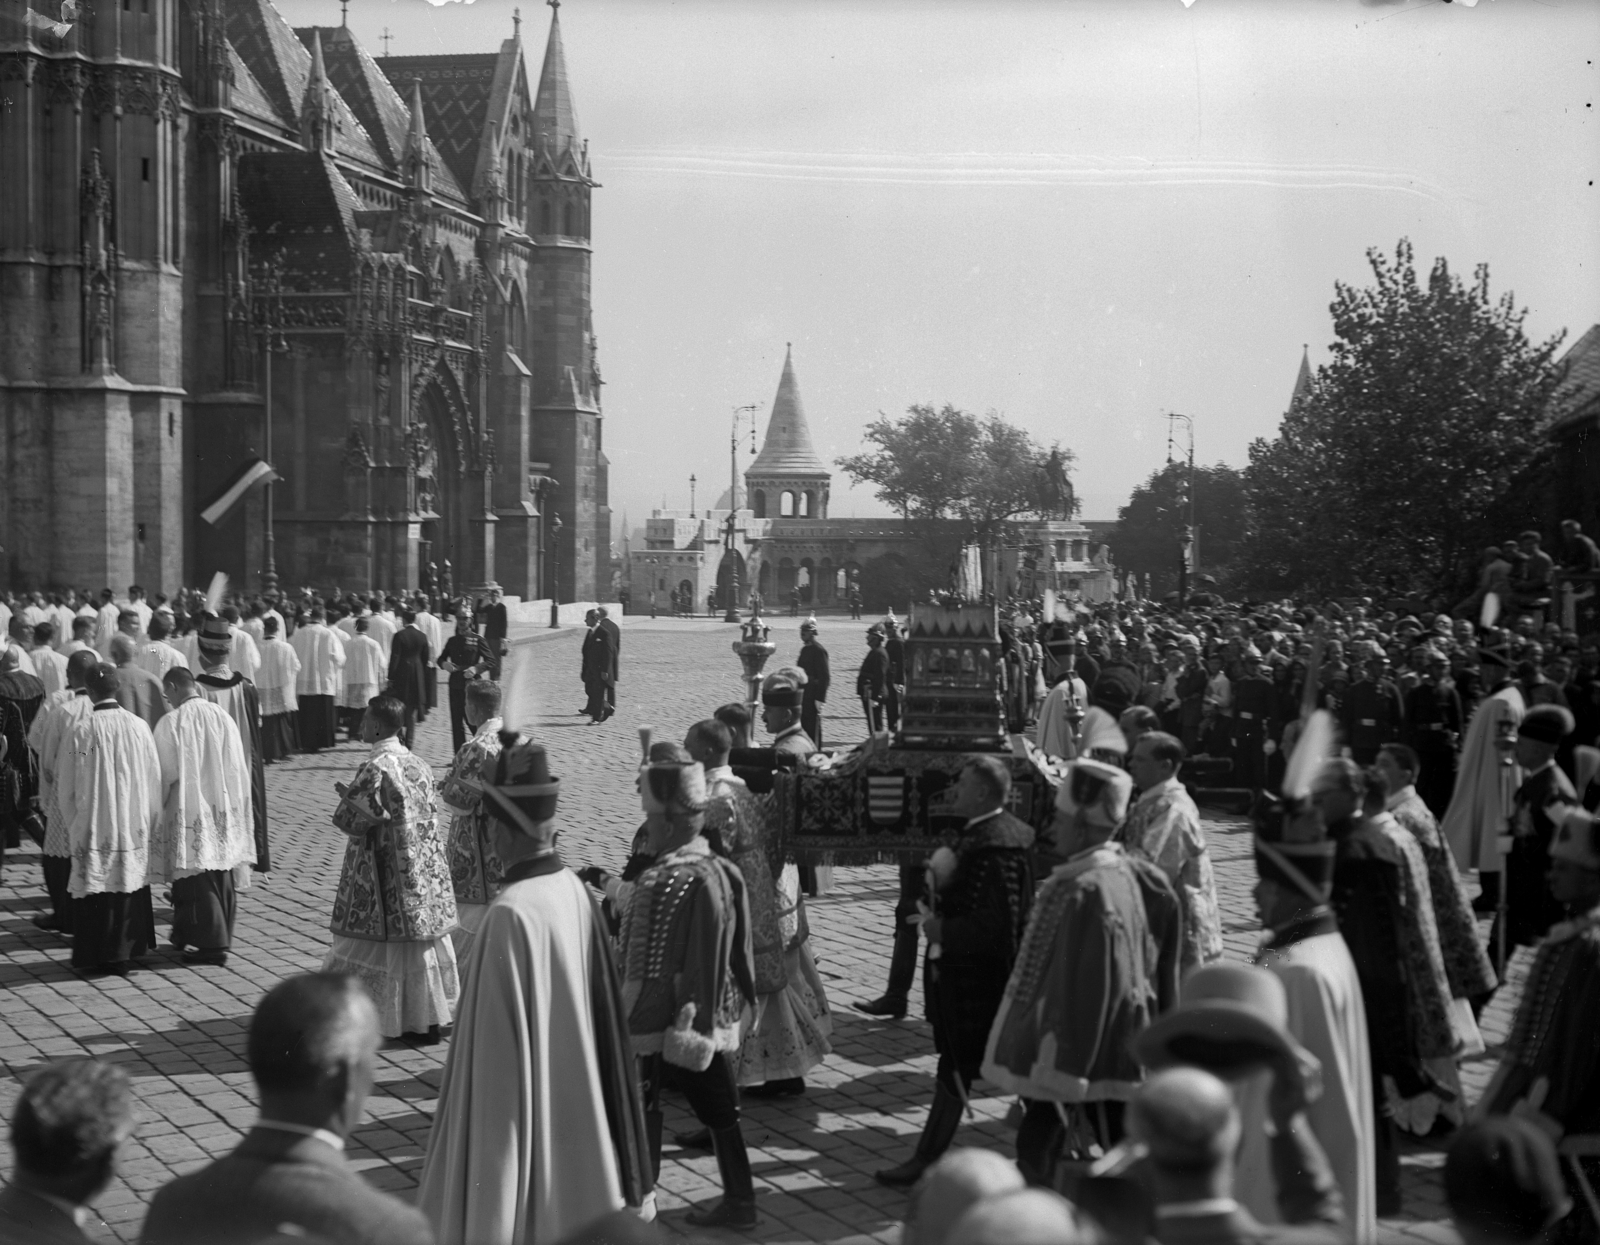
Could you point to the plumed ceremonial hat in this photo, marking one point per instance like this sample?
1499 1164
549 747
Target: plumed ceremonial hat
522 793
1549 724
1577 840
780 693
673 787
1229 1018
1292 847
1100 735
214 635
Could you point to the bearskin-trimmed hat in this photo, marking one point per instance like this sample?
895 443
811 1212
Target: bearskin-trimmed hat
675 788
1548 724
522 794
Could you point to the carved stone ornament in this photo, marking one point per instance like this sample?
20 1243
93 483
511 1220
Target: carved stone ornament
356 456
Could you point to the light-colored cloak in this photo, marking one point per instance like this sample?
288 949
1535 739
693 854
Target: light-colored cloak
1485 785
522 1151
1327 1017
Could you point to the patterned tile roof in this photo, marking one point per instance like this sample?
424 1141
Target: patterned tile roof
248 97
375 103
299 203
455 93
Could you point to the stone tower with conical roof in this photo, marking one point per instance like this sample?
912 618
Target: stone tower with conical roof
787 479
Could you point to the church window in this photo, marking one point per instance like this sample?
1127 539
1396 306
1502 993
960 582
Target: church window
570 224
805 505
546 217
786 505
758 503
144 168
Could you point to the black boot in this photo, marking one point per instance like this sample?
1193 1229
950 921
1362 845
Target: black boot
902 968
944 1118
700 1139
652 1136
1488 899
738 1206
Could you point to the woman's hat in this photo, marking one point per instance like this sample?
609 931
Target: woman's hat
1230 1018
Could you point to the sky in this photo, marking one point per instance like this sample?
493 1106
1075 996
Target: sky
1080 214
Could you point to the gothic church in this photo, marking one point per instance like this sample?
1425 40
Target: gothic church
222 238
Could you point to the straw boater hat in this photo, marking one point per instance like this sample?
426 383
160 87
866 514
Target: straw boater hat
1229 1018
522 794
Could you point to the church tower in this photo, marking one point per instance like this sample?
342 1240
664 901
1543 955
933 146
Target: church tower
561 356
787 480
91 258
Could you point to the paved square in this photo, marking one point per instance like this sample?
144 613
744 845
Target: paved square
179 1031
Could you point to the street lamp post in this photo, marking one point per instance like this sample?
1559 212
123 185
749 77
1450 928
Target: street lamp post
1187 562
555 569
269 283
730 611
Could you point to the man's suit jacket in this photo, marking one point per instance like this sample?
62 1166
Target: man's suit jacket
408 667
597 656
614 634
27 1219
274 1178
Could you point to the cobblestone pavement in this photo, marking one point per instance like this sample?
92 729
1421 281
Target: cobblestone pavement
180 1031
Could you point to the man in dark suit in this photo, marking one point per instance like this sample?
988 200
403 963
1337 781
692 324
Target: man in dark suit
492 622
813 660
69 1123
596 665
1187 1121
614 634
312 1045
409 673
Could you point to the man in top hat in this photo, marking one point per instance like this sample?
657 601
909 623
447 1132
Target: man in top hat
1544 794
1486 780
204 841
872 679
688 978
475 870
1099 961
1326 1014
109 780
1550 1068
977 903
394 908
1232 1020
539 1130
813 659
221 684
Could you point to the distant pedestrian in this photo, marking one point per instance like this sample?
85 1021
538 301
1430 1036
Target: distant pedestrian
596 668
614 635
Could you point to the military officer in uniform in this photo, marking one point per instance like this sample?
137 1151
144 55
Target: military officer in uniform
1371 713
813 660
1433 725
872 680
1545 796
1254 700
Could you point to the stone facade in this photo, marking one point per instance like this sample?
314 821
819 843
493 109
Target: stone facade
200 205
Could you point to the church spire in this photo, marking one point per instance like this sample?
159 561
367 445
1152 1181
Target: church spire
1302 382
319 114
414 163
555 119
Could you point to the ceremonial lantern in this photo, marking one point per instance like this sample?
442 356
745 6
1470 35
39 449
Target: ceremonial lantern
754 647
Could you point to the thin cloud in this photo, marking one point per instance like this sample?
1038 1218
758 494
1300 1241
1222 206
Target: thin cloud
963 169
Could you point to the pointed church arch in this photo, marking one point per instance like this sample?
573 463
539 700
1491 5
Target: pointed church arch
786 508
516 322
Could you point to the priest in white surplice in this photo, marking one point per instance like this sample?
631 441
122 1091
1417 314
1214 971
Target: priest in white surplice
276 684
365 668
539 1130
321 680
204 842
52 724
109 795
220 683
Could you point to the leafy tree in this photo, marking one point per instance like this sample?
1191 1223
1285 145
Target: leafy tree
1150 527
1416 443
967 477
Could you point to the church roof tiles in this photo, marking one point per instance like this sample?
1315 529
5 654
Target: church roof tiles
455 94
